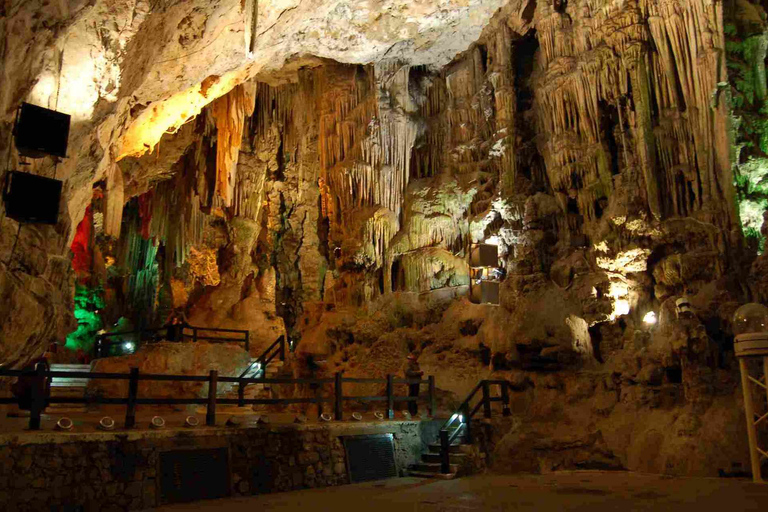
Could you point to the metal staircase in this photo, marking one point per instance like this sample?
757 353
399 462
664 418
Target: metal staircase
449 455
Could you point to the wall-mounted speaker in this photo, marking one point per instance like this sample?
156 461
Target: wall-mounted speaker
40 131
31 198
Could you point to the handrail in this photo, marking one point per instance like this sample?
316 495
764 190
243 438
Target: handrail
102 342
464 415
40 377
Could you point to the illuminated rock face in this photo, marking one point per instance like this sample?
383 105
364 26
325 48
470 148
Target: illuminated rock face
336 159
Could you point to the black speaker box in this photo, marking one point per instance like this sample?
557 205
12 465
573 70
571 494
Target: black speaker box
40 131
30 198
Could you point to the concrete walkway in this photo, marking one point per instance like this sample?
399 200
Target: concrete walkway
582 491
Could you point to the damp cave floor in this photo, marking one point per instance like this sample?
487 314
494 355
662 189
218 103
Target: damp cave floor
593 491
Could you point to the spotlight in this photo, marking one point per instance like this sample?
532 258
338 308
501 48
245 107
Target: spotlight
106 423
461 418
233 421
128 346
300 418
325 417
406 415
157 422
379 415
191 421
357 416
263 420
649 318
64 424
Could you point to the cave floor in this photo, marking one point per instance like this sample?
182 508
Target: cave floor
594 491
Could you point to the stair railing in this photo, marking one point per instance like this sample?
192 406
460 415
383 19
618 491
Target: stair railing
277 349
464 417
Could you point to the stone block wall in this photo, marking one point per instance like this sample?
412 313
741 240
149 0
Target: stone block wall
121 470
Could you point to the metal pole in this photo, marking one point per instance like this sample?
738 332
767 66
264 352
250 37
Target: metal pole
339 397
486 399
133 391
390 396
210 415
445 453
505 399
38 397
749 410
432 402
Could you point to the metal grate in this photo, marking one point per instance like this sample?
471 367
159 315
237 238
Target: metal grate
370 457
190 475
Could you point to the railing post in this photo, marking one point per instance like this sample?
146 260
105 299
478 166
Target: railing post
432 407
241 393
486 399
390 396
445 452
194 334
38 397
467 423
282 347
133 391
339 397
210 415
505 399
247 341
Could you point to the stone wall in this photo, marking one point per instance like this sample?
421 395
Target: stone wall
121 470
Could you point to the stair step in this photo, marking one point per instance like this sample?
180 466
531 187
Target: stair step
432 467
70 367
455 458
454 448
438 475
67 391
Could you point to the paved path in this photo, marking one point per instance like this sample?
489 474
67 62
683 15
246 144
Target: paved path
580 491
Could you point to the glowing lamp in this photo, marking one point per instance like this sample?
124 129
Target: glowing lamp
128 346
750 324
325 417
157 422
357 416
191 421
649 318
378 415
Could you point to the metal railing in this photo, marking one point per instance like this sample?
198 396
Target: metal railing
464 417
40 377
102 346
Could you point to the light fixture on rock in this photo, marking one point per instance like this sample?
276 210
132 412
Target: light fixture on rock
378 415
191 421
649 318
263 420
64 424
325 417
406 415
233 421
300 418
157 422
106 423
357 416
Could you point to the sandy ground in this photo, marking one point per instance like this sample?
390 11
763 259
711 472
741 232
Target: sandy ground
583 491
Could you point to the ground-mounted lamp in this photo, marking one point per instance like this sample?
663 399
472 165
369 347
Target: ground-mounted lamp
357 416
484 274
300 418
378 415
233 421
263 420
406 415
325 417
157 422
64 424
107 423
750 324
191 421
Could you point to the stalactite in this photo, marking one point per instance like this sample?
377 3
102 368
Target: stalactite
115 200
229 113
